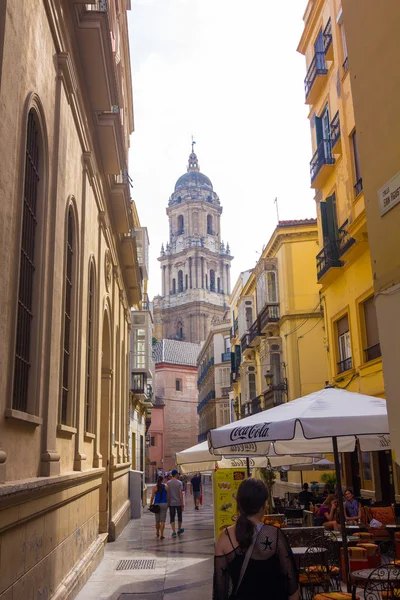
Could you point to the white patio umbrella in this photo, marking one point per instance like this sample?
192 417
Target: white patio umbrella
324 421
199 458
322 464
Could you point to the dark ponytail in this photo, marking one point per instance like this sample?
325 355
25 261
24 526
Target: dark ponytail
251 497
160 479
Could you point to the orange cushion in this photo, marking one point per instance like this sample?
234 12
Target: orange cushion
363 535
312 578
387 594
357 552
384 514
322 569
334 596
372 549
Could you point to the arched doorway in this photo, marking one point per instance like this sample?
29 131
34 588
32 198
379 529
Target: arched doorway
105 407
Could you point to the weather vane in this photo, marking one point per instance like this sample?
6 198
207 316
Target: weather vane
193 143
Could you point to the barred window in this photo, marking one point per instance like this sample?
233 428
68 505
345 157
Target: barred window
89 351
66 408
28 266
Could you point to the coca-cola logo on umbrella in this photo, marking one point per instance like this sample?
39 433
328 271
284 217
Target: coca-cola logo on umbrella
250 432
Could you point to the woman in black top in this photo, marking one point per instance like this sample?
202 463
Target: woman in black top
271 571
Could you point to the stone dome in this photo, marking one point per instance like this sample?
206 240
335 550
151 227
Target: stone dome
193 179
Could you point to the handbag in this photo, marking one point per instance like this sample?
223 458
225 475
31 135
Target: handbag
154 508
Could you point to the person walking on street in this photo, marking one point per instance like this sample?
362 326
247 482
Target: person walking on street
175 501
159 496
196 490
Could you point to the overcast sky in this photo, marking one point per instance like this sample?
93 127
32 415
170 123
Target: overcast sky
226 71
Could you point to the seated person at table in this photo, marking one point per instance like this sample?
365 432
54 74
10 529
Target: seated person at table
352 508
306 497
327 513
326 491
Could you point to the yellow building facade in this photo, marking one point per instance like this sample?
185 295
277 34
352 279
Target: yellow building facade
343 262
278 328
375 88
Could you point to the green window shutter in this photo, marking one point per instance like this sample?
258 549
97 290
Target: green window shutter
324 220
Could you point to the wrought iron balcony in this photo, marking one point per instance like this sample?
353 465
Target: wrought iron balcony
210 396
345 241
327 35
251 407
225 391
358 187
205 370
245 342
335 134
269 314
321 163
345 365
372 352
226 357
316 71
255 331
327 258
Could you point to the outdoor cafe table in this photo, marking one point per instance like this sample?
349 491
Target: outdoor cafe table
360 578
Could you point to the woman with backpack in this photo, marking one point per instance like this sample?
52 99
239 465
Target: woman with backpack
159 496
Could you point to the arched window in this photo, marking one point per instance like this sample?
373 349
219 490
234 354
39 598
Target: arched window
212 280
28 268
219 285
66 402
180 281
179 330
174 286
180 225
89 352
210 224
186 282
272 288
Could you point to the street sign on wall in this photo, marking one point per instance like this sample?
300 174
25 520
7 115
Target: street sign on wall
389 194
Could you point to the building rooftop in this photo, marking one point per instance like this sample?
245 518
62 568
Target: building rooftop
296 222
175 352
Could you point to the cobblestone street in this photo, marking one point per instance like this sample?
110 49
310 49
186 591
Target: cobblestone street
182 567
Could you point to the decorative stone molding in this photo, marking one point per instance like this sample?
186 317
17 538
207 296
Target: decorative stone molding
108 268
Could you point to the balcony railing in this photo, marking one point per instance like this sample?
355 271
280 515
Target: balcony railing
254 331
205 370
335 130
269 314
323 156
345 365
245 342
236 325
327 35
327 258
358 187
372 352
206 400
345 241
202 436
226 357
317 67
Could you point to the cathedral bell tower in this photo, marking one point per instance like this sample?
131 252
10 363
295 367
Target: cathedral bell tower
195 263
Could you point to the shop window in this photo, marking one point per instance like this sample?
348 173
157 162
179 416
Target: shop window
372 348
344 344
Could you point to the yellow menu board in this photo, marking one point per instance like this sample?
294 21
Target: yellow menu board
225 484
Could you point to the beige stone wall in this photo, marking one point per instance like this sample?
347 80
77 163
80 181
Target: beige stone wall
195 317
64 485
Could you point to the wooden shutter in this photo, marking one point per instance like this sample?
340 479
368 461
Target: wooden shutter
371 323
342 325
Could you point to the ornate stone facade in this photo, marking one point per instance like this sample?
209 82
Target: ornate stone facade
195 263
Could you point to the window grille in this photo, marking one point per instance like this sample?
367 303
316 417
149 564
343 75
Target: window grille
27 267
89 349
67 319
